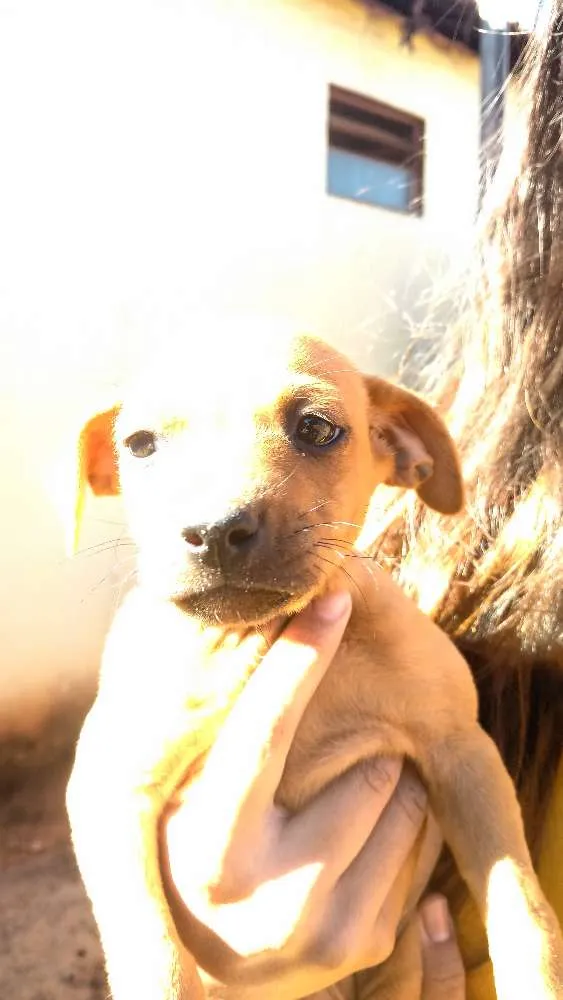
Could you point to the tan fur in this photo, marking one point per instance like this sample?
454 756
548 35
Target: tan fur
167 678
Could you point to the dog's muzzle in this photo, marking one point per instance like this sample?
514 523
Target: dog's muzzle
227 545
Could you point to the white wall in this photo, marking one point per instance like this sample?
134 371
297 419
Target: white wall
157 157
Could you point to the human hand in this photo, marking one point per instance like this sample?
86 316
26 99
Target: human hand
443 971
261 897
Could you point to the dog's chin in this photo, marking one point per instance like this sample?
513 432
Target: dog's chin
230 606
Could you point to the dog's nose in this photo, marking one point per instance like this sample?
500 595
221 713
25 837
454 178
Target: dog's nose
226 541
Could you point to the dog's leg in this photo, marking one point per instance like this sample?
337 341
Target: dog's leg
475 804
114 831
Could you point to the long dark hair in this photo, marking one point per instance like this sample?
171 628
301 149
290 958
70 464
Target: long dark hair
493 577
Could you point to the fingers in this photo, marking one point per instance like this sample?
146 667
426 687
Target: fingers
429 853
337 823
394 908
247 760
367 883
443 971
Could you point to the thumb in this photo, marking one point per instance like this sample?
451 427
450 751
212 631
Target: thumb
443 971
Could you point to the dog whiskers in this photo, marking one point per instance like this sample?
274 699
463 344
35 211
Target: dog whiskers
121 585
311 510
350 577
328 524
118 583
346 555
276 487
335 543
105 546
365 556
332 524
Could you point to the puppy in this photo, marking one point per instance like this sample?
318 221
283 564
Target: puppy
243 475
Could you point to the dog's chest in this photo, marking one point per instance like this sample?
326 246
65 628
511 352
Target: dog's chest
184 689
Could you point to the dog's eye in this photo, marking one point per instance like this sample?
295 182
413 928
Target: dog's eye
317 432
141 444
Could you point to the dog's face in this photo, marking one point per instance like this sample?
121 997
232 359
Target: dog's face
247 479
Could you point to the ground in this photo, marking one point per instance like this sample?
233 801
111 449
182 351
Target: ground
48 943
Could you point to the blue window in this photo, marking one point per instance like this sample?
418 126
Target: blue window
375 153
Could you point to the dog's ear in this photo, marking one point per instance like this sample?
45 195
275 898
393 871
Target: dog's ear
422 452
96 465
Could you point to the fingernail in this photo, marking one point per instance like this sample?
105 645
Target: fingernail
436 919
332 607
